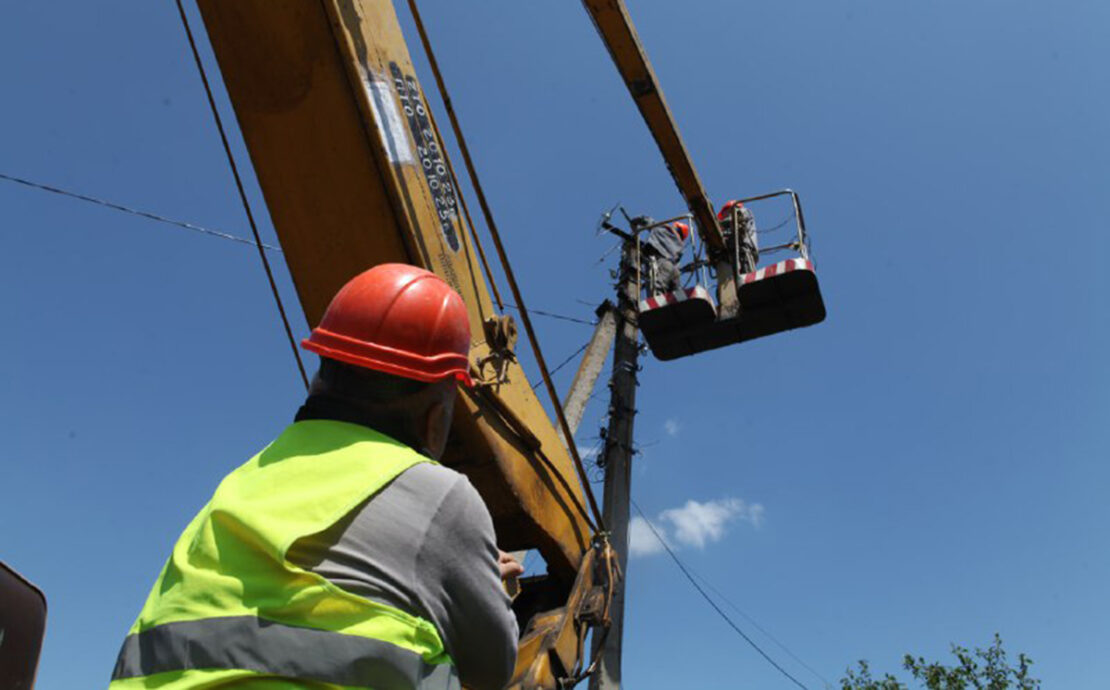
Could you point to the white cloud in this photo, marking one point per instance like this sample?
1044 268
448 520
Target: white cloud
641 540
695 525
672 427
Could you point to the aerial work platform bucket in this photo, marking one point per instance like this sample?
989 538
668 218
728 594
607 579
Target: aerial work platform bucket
777 298
773 299
677 311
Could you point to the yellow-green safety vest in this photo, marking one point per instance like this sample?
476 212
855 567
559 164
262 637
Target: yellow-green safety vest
230 609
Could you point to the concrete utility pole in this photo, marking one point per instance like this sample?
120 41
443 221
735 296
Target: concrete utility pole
618 461
584 380
588 371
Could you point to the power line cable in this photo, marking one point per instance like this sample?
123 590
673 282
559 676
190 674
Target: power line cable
133 211
760 628
709 599
242 193
564 362
609 251
553 315
763 231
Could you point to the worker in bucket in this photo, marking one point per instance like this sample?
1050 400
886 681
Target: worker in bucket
343 554
660 252
738 224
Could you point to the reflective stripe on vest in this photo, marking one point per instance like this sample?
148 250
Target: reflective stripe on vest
228 599
245 642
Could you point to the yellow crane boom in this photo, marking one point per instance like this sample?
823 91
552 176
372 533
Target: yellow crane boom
355 174
615 27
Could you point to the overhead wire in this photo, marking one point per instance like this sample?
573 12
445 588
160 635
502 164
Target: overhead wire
553 315
763 231
609 251
760 628
506 267
242 193
133 211
565 362
779 248
711 602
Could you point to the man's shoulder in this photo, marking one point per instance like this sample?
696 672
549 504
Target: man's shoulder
436 488
431 475
397 518
442 494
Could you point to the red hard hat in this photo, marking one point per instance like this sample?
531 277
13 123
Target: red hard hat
398 319
728 207
683 229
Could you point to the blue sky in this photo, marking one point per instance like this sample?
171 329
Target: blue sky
929 463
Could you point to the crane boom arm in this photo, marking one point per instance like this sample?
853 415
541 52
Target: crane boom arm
619 35
355 174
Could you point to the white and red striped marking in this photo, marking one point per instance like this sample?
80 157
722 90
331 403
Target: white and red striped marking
777 269
696 292
699 292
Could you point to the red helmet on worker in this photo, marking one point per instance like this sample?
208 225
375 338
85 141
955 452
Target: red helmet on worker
727 209
683 230
400 320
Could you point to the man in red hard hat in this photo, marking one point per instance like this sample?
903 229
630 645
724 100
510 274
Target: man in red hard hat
342 554
738 225
661 251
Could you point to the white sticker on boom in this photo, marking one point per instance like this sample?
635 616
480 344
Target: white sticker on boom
389 122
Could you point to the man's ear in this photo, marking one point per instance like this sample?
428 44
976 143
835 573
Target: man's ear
437 422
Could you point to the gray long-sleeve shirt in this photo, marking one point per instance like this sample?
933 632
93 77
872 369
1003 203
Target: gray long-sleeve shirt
425 544
666 242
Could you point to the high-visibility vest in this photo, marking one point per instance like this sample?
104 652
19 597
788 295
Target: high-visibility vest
229 607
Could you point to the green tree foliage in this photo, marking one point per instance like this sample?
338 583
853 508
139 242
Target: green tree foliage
983 669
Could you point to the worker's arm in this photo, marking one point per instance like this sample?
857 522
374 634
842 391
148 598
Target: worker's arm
425 544
472 611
